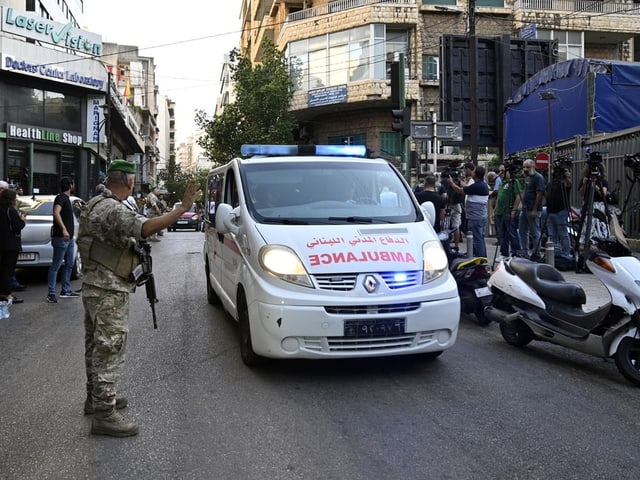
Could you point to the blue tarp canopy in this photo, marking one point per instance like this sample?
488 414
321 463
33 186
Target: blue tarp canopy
604 92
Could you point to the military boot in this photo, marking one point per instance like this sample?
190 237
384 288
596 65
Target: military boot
113 423
121 402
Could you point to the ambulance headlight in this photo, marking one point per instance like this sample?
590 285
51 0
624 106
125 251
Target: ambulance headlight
434 261
282 262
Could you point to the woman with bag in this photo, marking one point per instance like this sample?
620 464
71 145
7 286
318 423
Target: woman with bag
11 224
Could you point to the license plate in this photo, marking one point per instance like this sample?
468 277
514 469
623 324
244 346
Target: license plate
483 292
380 327
182 222
27 256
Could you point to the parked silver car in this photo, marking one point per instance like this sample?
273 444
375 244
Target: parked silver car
36 235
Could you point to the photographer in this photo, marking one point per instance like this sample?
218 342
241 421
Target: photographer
557 198
453 199
593 176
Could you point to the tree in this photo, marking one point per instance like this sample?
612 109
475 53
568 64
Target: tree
174 181
260 113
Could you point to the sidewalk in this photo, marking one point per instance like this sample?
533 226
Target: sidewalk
596 292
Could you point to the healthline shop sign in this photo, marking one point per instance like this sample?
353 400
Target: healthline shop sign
30 25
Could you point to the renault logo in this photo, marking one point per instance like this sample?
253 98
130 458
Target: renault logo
370 283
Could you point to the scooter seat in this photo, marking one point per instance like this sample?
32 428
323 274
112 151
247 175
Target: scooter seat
548 281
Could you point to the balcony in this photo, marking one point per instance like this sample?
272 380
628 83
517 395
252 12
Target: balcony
338 6
602 21
580 6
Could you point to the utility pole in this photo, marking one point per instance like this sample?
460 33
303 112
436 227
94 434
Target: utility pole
549 96
108 115
473 79
434 140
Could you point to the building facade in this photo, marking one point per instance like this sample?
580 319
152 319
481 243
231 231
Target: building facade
66 109
341 51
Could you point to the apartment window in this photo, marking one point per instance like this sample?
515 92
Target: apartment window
348 139
439 2
362 53
490 3
430 68
391 144
570 43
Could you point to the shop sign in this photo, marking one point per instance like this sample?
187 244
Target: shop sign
46 135
327 96
51 71
33 26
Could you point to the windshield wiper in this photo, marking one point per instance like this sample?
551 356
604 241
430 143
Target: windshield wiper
352 219
285 221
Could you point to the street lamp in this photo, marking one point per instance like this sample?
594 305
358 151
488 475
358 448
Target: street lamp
549 96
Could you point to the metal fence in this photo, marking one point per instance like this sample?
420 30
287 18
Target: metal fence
622 179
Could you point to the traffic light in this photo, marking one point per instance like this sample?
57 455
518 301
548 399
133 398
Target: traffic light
402 121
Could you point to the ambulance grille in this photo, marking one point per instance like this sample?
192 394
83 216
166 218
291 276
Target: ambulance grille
372 309
347 281
392 343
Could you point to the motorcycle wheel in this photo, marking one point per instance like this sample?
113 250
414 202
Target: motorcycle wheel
516 333
627 359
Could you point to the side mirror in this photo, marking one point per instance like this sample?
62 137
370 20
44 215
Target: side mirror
226 219
429 212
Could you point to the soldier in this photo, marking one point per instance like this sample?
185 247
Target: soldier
108 229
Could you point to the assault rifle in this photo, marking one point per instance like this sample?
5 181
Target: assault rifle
143 274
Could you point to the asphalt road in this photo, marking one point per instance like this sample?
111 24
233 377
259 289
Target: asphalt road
483 410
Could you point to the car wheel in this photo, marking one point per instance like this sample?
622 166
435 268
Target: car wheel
249 357
76 271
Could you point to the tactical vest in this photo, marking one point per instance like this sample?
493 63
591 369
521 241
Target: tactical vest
120 261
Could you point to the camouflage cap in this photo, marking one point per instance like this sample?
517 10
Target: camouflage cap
122 166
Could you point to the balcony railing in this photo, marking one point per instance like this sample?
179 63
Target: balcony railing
577 6
339 6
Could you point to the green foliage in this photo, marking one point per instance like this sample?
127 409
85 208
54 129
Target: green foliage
260 113
174 181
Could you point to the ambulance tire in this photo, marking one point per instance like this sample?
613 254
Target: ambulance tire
249 357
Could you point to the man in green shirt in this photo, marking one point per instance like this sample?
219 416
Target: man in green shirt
506 221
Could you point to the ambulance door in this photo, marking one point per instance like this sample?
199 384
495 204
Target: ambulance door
213 240
229 252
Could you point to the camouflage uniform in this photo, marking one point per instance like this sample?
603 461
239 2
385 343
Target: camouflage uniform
105 294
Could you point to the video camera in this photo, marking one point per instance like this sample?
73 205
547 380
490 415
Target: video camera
562 165
513 164
594 160
452 170
633 162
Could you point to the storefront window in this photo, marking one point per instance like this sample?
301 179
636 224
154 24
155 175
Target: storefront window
41 108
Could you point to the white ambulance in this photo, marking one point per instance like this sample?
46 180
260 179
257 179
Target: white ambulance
320 252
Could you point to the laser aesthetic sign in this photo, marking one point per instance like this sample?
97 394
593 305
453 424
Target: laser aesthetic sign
30 25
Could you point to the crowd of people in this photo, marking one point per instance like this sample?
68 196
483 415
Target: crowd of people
509 202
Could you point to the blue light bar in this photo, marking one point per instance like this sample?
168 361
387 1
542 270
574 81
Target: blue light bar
304 150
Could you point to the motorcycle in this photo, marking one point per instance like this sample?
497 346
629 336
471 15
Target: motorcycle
471 275
532 301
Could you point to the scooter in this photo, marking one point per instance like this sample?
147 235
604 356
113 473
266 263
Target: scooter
532 301
471 275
